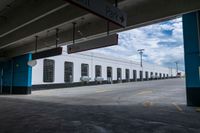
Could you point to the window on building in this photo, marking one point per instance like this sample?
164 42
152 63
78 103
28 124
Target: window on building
141 75
69 66
163 75
146 75
127 74
134 75
84 70
109 72
97 71
48 70
119 74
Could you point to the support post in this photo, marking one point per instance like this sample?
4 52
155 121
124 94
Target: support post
191 32
16 75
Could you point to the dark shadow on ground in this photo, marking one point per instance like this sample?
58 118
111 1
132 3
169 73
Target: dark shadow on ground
26 116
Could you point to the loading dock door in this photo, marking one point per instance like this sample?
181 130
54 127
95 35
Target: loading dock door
160 76
134 75
141 75
69 66
127 75
147 75
119 74
151 75
109 74
156 76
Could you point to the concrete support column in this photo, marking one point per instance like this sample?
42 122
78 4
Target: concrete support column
191 23
16 75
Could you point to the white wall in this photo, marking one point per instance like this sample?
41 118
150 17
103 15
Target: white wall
94 59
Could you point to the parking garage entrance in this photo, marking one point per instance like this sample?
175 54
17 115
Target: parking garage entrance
16 74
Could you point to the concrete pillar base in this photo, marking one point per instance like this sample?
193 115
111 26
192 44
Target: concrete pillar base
193 97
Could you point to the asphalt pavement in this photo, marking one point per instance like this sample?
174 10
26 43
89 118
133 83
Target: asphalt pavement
136 107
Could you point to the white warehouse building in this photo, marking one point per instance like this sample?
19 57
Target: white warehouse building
91 68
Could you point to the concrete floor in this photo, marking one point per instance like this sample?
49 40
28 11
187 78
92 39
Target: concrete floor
141 107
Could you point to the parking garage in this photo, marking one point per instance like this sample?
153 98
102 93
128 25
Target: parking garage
32 30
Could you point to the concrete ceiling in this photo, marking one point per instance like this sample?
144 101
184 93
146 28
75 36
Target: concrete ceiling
5 4
30 18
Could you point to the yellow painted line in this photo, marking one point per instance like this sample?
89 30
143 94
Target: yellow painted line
101 91
178 107
147 104
144 92
198 110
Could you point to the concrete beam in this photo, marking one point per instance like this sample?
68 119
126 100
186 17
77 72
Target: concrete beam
42 24
140 13
151 11
28 12
88 30
55 19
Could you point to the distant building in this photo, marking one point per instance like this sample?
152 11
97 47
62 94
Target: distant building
92 68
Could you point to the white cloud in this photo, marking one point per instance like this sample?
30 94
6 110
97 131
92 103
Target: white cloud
163 44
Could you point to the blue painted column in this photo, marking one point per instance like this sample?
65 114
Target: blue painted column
191 32
22 75
6 77
17 75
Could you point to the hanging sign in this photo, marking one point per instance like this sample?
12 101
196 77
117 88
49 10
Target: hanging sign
47 53
103 9
93 44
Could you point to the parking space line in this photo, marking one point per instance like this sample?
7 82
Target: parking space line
144 92
198 110
147 104
102 91
178 107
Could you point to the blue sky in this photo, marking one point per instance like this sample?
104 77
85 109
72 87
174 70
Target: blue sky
163 44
